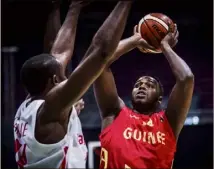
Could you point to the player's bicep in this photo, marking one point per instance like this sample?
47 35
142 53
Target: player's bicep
106 94
179 104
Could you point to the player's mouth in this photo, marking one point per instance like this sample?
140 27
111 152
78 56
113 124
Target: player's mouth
141 94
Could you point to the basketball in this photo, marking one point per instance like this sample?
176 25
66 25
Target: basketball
153 28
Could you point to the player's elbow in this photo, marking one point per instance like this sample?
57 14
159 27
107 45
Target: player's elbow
188 78
105 46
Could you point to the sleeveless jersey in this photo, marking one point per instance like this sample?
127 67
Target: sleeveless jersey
137 141
70 152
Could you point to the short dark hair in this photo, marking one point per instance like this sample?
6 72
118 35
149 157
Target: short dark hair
36 71
160 86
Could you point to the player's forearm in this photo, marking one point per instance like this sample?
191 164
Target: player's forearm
109 34
125 46
64 43
179 67
52 27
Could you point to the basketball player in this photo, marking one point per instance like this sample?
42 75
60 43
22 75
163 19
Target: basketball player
47 132
144 136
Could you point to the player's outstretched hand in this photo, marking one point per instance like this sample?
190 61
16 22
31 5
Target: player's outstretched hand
172 37
143 45
79 106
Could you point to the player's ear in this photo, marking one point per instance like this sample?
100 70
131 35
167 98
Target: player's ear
55 79
160 99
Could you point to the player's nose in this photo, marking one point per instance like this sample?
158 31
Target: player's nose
142 87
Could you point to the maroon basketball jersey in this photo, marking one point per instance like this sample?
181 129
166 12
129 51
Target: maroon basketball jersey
137 141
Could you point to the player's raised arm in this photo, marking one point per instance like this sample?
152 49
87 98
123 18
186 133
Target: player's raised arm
63 45
52 26
102 47
105 89
181 95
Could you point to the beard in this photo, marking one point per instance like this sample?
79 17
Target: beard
147 107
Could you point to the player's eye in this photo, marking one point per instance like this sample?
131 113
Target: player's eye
152 85
148 85
137 85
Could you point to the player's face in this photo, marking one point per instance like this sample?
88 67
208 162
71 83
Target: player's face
145 91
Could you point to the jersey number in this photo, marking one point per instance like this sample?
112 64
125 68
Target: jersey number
104 159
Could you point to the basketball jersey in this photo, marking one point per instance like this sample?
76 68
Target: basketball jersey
70 152
137 141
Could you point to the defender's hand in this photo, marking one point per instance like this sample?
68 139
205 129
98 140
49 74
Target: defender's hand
79 106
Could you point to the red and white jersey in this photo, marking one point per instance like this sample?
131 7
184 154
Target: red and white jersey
137 141
70 152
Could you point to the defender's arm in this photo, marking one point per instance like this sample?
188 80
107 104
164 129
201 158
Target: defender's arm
63 45
103 46
52 26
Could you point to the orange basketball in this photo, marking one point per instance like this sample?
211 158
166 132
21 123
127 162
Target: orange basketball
153 28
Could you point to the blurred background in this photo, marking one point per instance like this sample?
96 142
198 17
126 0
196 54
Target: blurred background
23 26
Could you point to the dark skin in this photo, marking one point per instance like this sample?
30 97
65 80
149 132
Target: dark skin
146 94
60 44
61 93
63 53
52 26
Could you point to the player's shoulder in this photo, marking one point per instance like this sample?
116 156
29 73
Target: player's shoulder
125 110
159 114
162 120
28 105
33 104
22 105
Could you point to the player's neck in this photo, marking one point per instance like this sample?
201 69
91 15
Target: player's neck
144 111
32 98
38 96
